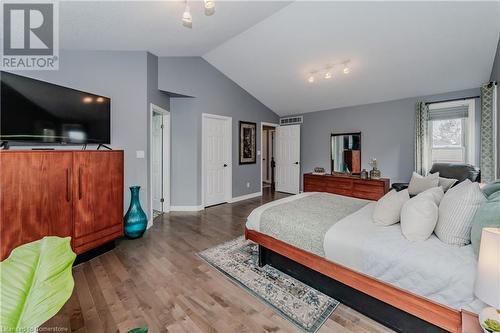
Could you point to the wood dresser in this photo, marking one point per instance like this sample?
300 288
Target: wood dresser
60 193
351 186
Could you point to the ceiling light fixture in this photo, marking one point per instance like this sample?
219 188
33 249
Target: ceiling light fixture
328 74
347 69
187 19
310 79
209 7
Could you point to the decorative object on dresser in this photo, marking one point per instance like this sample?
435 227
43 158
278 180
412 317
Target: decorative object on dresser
319 171
374 172
248 143
352 186
77 193
135 221
364 174
345 153
487 287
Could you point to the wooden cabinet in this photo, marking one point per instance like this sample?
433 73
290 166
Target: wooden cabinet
351 186
60 193
98 198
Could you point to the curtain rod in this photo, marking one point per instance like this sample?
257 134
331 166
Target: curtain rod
453 99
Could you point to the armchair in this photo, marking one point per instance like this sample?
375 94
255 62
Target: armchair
449 170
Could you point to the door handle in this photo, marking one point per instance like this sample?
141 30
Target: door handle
225 165
296 163
79 183
68 181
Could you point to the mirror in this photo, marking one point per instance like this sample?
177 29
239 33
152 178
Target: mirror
345 152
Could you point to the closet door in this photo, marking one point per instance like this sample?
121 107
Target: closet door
35 197
98 198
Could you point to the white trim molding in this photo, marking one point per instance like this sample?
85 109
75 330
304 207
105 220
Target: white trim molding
246 197
186 208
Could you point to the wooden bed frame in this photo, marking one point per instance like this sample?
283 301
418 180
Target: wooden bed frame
441 317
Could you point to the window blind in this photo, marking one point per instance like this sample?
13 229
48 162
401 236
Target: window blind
449 113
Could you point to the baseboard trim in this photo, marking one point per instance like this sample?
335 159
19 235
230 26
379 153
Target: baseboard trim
186 208
246 196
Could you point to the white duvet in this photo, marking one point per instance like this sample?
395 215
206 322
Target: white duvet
431 268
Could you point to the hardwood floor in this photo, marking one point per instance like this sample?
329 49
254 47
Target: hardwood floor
158 281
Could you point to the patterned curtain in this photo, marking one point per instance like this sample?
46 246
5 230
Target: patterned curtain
488 132
421 138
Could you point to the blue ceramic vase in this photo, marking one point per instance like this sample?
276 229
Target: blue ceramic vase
135 220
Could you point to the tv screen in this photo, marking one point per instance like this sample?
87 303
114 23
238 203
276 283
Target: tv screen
35 111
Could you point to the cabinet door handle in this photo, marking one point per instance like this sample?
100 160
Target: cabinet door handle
79 183
68 182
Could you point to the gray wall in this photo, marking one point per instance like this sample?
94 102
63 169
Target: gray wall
495 76
386 133
122 76
157 97
211 92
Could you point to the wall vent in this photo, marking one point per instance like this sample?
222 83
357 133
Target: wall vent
291 120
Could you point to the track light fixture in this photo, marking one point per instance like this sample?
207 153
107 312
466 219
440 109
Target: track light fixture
187 19
347 69
329 71
311 79
209 7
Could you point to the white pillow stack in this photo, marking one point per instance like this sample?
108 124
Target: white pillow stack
419 215
456 212
419 184
388 209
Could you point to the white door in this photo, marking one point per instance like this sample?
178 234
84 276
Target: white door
288 159
217 159
157 161
265 158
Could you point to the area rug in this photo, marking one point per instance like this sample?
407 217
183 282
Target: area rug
300 304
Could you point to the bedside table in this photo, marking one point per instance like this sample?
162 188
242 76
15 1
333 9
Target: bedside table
470 323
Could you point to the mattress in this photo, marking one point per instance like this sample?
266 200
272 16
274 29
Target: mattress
432 269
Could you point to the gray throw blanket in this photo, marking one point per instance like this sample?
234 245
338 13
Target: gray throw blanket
304 222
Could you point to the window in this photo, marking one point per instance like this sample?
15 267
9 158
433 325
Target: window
451 132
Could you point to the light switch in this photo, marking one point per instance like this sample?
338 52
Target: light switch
139 154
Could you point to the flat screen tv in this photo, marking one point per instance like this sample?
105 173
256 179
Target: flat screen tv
34 111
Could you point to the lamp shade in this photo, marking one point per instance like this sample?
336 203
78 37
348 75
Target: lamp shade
487 286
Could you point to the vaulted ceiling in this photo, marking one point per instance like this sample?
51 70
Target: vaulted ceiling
396 49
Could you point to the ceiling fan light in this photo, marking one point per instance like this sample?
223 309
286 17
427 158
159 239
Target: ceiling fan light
328 75
310 79
209 7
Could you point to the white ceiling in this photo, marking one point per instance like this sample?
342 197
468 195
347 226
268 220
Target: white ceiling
156 25
397 50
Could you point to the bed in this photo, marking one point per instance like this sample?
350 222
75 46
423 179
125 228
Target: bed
429 280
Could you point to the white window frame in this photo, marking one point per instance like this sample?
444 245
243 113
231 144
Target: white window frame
470 128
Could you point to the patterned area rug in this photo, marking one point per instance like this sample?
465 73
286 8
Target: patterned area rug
302 305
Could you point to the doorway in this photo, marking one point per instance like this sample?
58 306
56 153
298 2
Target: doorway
217 163
268 149
159 161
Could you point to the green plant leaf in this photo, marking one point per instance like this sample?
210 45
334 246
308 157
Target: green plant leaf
139 330
35 282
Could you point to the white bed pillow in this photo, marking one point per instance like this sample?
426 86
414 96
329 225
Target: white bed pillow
435 194
456 212
388 208
419 183
419 216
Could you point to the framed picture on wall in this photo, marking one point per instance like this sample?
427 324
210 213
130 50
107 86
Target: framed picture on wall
248 142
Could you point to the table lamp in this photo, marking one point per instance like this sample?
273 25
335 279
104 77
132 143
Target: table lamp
487 287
